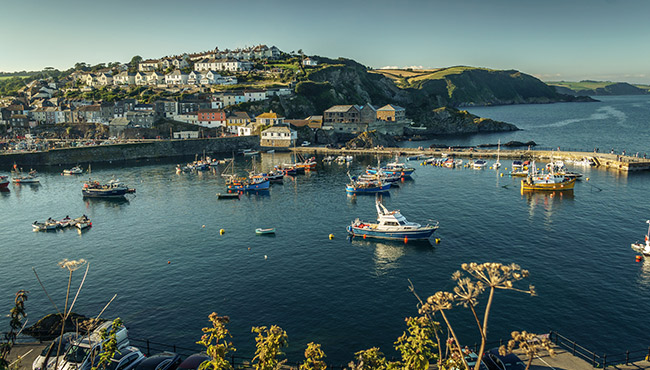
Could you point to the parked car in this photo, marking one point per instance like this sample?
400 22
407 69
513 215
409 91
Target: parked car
160 361
193 362
126 359
495 361
49 352
82 352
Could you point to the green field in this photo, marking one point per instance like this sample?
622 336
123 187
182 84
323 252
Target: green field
589 85
8 77
415 78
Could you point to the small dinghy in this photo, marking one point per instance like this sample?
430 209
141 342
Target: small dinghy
260 231
228 195
48 225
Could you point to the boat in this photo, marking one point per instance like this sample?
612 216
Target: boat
643 248
64 222
584 162
83 223
307 164
275 176
30 178
393 168
260 231
271 151
229 195
4 182
391 225
479 164
497 164
366 186
517 166
254 181
328 159
48 225
112 189
76 170
249 152
305 143
550 181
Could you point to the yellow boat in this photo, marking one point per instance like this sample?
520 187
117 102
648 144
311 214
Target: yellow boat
547 182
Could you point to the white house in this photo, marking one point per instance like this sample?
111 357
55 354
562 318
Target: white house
141 78
186 135
194 78
105 79
176 77
278 136
155 78
309 62
149 65
245 130
254 95
124 78
210 78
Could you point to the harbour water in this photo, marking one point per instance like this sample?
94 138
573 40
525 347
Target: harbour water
170 272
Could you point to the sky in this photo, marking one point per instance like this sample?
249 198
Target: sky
554 40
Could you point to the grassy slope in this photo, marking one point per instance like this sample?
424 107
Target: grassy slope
415 78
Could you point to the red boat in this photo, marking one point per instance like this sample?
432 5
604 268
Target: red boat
4 182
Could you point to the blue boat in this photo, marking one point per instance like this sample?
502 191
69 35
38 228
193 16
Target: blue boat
248 183
112 189
392 168
391 225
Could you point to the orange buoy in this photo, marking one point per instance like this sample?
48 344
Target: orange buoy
168 262
406 239
639 258
364 236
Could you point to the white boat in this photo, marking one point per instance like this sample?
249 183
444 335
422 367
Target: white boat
250 152
479 164
391 225
497 164
584 162
48 225
82 222
643 248
76 170
65 222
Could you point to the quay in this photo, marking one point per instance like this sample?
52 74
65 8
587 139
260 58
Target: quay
602 160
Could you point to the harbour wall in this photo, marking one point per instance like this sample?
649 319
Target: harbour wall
603 160
129 152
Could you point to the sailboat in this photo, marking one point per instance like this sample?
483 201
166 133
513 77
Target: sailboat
497 164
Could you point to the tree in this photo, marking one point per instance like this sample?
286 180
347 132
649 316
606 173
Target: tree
135 61
415 345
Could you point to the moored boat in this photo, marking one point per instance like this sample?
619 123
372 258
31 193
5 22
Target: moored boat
112 189
643 248
366 186
479 164
30 178
48 225
391 225
4 182
267 231
229 195
550 181
76 170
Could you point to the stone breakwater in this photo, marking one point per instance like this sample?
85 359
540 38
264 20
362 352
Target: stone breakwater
130 151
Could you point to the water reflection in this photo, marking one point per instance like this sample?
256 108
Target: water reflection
107 202
388 252
5 192
548 202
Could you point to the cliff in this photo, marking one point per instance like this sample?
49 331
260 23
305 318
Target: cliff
345 81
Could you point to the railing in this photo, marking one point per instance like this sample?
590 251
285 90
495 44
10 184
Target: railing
597 360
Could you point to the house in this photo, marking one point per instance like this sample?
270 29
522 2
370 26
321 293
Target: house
165 108
230 98
350 119
46 115
149 65
189 117
89 113
176 77
122 106
392 113
278 137
270 119
105 79
209 78
313 122
117 126
155 78
89 79
141 118
141 78
178 63
280 91
249 129
235 120
124 78
225 64
211 117
194 78
309 62
254 95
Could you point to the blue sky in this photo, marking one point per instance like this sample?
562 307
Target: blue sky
553 40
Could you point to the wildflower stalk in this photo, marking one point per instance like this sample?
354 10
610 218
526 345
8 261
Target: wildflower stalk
426 313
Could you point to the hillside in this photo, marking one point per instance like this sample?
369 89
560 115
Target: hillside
344 81
588 87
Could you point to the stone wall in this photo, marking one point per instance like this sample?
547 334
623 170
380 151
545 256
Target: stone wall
128 152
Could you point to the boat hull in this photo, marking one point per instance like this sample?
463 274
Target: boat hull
376 189
418 234
96 193
265 231
264 185
561 186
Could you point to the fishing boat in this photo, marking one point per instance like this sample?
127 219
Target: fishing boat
4 182
30 178
260 231
247 183
48 225
76 170
308 164
517 166
479 164
82 222
112 189
550 181
391 225
276 176
643 248
393 168
366 186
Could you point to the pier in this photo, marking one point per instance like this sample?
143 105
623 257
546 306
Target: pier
602 160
